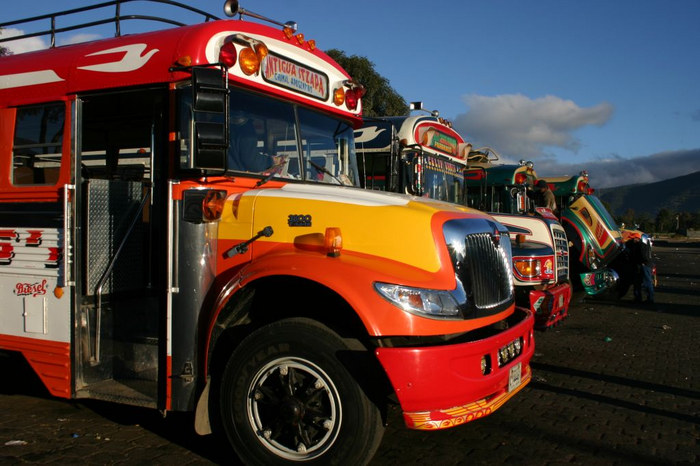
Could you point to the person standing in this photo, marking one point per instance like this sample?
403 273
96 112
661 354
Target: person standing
642 261
545 196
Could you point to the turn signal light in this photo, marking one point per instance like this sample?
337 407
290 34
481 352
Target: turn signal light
333 241
527 268
520 178
261 51
185 60
249 61
339 96
213 205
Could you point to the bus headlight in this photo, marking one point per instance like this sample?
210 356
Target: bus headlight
435 304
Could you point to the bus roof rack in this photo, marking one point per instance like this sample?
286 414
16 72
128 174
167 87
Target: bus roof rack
116 19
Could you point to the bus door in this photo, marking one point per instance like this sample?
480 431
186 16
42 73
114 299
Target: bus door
121 261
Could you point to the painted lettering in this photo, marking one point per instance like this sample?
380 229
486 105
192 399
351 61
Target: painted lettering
30 289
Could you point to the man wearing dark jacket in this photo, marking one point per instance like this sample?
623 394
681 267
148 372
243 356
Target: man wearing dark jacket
640 255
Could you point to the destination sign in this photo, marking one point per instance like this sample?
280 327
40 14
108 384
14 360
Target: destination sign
443 142
436 139
294 76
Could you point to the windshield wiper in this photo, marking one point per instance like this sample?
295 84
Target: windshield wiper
323 169
264 180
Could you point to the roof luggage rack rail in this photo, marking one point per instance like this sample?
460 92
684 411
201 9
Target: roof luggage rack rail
116 19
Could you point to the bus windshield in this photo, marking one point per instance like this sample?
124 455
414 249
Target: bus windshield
436 178
602 211
272 137
497 198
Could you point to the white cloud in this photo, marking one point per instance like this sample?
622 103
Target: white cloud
521 127
38 43
78 38
22 45
618 171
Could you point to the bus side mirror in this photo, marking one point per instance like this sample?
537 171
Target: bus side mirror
210 145
210 103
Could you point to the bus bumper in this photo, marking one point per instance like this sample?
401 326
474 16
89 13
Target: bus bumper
443 386
599 281
550 305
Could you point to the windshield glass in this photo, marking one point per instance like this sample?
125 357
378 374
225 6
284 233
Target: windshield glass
265 136
437 178
328 149
602 211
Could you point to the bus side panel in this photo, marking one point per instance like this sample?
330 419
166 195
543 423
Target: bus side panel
35 316
50 360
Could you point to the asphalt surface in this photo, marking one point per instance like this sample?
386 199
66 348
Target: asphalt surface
615 383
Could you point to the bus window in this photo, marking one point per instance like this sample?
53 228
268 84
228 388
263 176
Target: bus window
373 170
329 149
117 134
36 154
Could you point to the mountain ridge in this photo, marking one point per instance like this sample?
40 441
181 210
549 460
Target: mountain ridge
680 194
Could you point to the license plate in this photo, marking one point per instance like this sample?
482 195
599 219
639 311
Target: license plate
514 377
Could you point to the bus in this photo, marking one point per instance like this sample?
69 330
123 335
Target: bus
504 190
594 237
423 156
178 232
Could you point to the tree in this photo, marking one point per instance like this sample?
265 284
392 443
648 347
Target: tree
665 221
628 218
380 99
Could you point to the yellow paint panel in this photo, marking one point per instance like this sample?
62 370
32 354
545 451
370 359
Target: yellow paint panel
395 228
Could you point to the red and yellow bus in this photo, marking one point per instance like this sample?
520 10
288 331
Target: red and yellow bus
177 231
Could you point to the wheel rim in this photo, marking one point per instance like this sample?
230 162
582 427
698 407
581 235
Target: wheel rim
294 408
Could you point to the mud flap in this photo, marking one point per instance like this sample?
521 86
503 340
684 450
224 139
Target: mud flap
201 415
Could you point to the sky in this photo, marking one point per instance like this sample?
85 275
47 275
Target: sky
611 87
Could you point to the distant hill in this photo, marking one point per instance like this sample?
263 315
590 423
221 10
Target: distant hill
681 194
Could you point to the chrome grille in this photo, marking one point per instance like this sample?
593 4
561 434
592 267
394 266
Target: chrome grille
489 280
561 249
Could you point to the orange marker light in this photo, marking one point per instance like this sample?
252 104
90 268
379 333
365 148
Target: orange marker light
185 61
300 38
213 205
288 32
312 44
338 96
527 268
248 61
261 51
333 241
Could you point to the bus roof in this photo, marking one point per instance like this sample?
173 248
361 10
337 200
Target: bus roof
563 185
426 131
294 68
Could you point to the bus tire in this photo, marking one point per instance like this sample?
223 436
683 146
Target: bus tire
287 398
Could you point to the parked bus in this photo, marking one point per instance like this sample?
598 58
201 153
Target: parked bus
424 156
595 239
504 190
176 233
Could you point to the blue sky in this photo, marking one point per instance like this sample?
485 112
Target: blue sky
607 86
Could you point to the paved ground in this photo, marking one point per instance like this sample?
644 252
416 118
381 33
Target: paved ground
614 384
